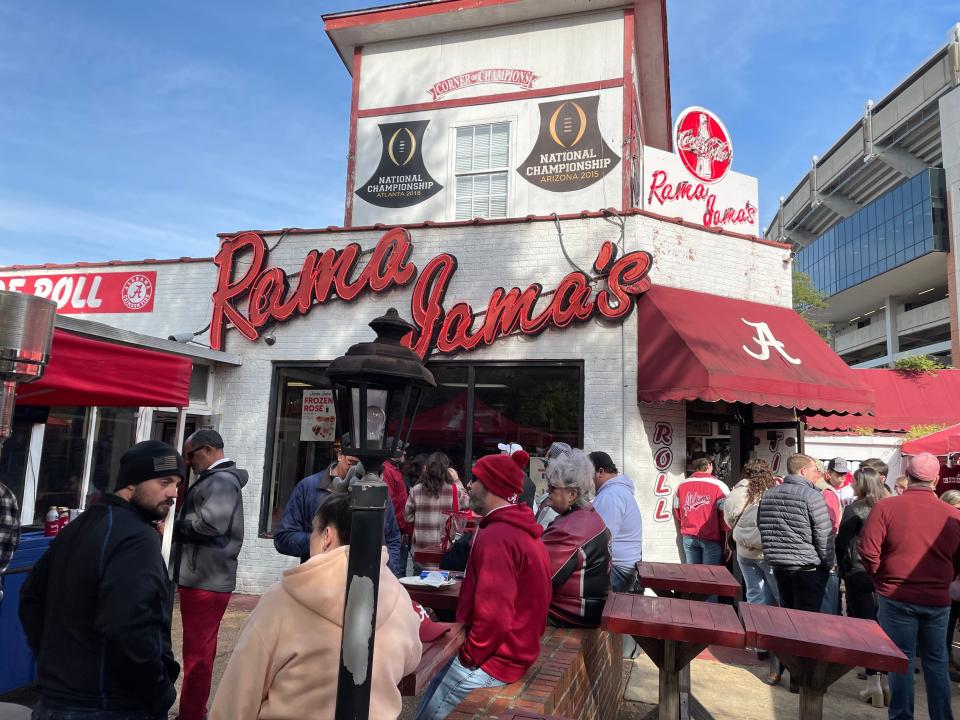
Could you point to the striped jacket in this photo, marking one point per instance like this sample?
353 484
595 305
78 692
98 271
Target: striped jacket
426 513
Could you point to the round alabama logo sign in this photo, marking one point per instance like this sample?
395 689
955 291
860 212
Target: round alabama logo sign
137 291
703 144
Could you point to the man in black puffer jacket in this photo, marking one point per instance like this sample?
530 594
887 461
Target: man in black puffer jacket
96 607
797 535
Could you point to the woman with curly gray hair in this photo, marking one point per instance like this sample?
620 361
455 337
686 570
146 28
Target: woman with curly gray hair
578 544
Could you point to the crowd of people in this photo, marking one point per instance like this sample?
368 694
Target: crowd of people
97 608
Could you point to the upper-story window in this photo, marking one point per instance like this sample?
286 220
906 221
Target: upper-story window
481 167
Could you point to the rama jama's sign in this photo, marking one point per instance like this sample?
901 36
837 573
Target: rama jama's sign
401 179
570 154
250 293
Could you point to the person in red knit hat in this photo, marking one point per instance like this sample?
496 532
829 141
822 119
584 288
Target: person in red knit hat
508 560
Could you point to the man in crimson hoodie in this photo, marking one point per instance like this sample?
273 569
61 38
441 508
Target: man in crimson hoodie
504 596
910 546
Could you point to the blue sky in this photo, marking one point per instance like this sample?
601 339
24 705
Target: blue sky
135 129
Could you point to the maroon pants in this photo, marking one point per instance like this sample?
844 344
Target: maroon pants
201 612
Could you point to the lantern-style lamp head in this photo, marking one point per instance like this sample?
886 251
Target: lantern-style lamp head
377 388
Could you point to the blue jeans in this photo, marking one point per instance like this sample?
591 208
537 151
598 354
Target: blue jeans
702 552
450 687
760 582
43 711
830 604
918 630
623 579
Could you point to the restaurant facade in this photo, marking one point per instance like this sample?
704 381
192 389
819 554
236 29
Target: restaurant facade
651 325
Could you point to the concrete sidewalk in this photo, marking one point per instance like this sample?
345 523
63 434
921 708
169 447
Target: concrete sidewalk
727 682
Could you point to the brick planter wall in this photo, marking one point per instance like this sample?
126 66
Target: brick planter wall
578 675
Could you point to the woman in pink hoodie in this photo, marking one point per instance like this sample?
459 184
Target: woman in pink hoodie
286 659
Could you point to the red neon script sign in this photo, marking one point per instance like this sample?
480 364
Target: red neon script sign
263 293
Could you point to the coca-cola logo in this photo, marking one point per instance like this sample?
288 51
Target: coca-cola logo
703 144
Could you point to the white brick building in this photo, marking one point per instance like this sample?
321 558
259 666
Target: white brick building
592 366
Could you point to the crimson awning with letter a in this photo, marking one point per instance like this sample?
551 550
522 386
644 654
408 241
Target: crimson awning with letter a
693 345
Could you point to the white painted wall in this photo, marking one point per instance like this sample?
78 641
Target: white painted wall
489 256
561 51
523 197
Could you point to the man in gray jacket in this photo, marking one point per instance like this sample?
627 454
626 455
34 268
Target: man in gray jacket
797 535
209 532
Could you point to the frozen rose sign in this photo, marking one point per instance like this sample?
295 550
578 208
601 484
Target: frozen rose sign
696 182
317 418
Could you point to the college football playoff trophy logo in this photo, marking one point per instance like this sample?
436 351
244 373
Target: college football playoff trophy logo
570 154
400 179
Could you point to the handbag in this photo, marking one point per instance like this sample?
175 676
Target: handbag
457 523
730 546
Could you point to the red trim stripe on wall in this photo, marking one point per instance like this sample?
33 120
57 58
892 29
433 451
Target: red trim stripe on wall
489 99
352 149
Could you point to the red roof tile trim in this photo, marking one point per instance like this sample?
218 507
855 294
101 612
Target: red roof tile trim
105 263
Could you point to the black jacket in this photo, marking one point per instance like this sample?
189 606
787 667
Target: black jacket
96 611
795 527
848 538
578 544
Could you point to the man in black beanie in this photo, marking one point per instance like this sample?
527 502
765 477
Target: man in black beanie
96 608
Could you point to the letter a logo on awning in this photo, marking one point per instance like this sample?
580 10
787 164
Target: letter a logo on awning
766 340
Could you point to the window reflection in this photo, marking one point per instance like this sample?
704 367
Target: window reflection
61 465
901 225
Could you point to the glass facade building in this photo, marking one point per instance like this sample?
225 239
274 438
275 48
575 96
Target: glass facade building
899 226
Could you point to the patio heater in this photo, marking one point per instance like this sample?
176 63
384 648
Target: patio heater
26 334
377 388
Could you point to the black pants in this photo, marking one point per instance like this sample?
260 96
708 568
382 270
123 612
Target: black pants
861 600
802 589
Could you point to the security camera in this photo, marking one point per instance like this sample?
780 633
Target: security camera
182 337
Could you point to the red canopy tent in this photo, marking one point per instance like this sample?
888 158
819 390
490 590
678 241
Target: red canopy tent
446 424
903 400
942 442
86 371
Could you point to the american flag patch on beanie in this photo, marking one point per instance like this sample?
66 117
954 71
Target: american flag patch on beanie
165 462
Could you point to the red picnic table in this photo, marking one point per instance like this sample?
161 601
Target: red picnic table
819 649
672 632
688 580
435 655
429 556
441 598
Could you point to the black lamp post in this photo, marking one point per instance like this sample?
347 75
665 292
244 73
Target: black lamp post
377 388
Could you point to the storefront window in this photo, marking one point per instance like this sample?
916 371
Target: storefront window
441 423
302 441
472 410
115 434
14 456
61 464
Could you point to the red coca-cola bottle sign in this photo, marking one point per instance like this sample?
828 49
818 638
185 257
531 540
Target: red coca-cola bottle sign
703 144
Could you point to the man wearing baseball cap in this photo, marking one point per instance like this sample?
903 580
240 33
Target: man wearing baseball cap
910 546
504 596
96 608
